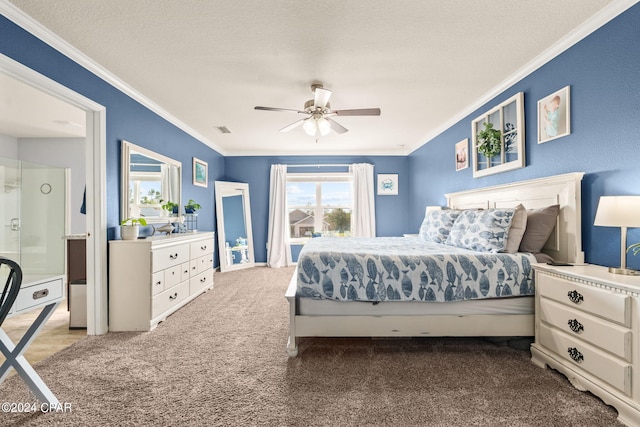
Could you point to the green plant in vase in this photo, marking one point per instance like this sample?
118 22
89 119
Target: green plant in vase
170 207
191 207
488 141
130 228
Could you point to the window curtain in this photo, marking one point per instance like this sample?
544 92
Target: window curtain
363 219
278 246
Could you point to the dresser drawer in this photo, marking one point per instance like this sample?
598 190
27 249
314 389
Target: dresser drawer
203 247
201 281
164 258
584 356
185 270
606 304
605 335
39 294
157 282
172 276
169 298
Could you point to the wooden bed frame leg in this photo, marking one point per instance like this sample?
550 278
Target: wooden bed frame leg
292 344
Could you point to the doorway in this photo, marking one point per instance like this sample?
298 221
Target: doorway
95 178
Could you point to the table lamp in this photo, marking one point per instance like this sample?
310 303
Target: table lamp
623 212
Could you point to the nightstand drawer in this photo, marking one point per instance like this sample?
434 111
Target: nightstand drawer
606 304
588 358
605 335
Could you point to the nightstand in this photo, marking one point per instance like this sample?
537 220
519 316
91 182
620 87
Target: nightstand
586 327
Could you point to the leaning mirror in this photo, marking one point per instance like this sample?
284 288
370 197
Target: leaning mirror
149 180
235 239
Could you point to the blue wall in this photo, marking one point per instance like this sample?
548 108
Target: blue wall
391 211
603 71
125 119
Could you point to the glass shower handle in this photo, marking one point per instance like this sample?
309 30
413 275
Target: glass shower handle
14 224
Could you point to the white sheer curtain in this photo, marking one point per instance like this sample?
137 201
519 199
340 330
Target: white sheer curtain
278 246
363 218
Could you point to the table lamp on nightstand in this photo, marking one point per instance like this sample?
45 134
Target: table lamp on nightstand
623 212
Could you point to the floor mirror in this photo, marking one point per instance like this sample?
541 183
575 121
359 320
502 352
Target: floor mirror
235 239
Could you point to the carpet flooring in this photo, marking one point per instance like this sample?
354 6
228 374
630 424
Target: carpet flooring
221 361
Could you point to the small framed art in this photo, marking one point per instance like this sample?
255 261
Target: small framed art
462 154
200 172
554 116
387 184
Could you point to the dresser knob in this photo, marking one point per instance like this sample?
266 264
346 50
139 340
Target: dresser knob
575 297
174 296
575 326
173 256
575 354
204 248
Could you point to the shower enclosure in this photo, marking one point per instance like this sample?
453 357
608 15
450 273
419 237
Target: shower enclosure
32 216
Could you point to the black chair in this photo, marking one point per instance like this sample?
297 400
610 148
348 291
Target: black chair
11 287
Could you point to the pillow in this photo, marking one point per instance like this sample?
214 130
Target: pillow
482 230
516 232
437 225
540 223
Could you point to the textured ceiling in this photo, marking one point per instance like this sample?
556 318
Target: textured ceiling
209 62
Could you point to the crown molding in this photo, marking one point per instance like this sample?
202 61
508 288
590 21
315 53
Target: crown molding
26 22
617 7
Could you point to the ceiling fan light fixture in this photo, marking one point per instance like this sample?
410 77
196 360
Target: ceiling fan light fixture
310 127
323 126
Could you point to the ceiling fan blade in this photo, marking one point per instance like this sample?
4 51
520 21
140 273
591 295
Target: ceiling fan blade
358 112
279 109
337 127
321 97
293 125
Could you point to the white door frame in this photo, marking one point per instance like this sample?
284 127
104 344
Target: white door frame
96 178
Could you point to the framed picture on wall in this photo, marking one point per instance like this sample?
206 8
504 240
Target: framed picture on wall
387 184
554 116
200 172
462 154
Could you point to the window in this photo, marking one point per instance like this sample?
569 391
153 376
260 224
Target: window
319 203
145 194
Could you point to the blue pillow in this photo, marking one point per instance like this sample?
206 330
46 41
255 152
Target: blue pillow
481 230
437 225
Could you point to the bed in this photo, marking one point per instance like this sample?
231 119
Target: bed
389 287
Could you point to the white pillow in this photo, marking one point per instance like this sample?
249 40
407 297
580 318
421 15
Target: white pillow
482 230
437 224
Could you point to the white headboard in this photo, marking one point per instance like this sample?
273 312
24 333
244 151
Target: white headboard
565 243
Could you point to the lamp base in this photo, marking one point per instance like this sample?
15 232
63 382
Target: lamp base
624 271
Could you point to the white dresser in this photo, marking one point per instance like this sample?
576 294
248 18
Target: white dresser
151 278
587 328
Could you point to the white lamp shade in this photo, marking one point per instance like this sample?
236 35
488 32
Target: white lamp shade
324 126
618 211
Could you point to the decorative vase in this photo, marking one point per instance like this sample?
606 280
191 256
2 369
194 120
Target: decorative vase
129 232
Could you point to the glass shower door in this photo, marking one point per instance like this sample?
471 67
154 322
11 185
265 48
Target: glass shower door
10 196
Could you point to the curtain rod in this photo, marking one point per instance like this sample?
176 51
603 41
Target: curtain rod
313 166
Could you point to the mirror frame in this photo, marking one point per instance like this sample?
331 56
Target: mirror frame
220 188
127 148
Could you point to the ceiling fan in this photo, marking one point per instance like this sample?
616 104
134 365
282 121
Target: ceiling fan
319 121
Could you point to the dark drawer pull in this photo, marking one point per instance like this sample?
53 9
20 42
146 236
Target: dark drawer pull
204 279
575 354
204 248
575 297
40 294
159 282
174 296
576 326
173 256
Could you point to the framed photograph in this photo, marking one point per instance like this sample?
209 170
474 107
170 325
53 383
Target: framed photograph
554 116
200 173
462 154
387 184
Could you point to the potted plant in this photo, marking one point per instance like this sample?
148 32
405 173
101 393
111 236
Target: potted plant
130 228
191 207
488 141
170 207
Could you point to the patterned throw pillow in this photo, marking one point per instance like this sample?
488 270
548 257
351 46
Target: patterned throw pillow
437 225
481 230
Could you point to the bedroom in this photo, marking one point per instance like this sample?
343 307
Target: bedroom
599 69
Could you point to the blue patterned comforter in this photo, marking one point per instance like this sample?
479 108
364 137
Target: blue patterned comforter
408 269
